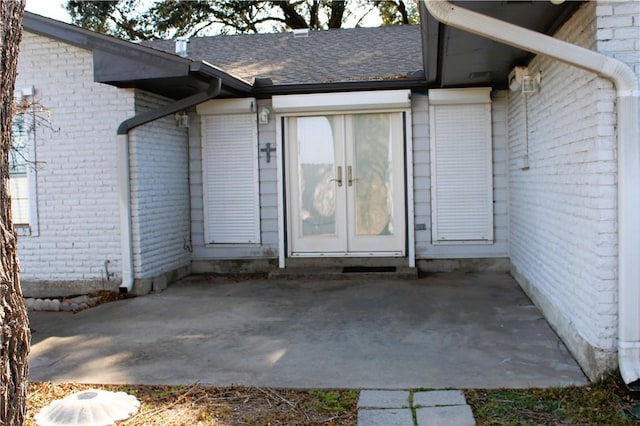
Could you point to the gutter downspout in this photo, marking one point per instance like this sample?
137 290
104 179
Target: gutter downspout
124 171
628 129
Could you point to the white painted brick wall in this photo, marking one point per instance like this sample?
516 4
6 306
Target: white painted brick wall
563 209
422 184
159 192
77 178
268 199
618 31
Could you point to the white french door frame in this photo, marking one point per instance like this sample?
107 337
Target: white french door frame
282 130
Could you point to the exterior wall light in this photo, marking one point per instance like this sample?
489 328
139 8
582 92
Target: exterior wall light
528 84
520 79
182 120
263 115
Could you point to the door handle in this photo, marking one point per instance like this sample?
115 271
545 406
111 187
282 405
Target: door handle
339 180
350 178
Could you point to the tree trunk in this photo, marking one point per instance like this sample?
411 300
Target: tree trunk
402 9
291 16
14 332
337 13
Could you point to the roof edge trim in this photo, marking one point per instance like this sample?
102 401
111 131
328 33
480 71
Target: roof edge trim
87 39
96 43
344 86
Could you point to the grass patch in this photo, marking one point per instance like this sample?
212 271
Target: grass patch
333 402
597 404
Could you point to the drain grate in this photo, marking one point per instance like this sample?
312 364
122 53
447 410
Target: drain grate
361 269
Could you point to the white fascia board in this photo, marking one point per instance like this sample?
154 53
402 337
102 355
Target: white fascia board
227 106
476 95
343 101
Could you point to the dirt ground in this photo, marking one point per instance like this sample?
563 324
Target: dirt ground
604 402
202 405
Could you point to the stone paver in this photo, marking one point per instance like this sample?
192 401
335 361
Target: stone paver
458 415
390 417
438 398
431 408
383 399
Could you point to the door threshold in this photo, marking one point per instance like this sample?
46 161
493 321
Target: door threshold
361 269
326 262
334 273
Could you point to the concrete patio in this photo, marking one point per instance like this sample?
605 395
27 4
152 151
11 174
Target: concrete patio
455 330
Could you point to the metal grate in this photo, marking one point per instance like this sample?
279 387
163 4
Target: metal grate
361 269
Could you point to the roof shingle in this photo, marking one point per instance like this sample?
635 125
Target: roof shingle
356 54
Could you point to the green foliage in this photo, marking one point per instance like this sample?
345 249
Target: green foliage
135 20
180 18
334 402
121 18
398 12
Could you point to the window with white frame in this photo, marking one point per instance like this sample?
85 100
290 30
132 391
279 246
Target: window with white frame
18 170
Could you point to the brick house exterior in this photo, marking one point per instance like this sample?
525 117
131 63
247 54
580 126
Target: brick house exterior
73 226
563 209
553 164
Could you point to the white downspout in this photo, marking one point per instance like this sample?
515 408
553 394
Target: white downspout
124 171
126 233
628 131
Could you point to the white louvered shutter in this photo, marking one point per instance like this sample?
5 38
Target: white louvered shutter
230 174
461 173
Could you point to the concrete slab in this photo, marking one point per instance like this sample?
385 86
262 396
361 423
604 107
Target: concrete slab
438 398
392 417
383 399
445 331
456 415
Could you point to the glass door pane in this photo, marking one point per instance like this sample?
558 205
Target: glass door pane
317 170
316 155
375 180
373 167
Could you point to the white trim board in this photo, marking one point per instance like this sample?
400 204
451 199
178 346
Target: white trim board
341 102
227 106
478 95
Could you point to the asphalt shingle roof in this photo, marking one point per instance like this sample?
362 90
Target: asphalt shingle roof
355 54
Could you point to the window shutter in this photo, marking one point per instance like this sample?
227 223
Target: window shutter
230 175
461 168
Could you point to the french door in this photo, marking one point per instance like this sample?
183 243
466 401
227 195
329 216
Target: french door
345 185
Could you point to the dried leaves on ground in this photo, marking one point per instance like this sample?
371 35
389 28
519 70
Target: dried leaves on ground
224 406
607 402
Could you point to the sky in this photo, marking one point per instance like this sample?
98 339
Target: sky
55 9
49 8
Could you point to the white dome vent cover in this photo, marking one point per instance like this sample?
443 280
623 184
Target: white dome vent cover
91 407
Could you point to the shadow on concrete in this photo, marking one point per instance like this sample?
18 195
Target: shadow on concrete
454 330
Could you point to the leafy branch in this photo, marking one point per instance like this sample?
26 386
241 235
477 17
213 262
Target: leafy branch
167 19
